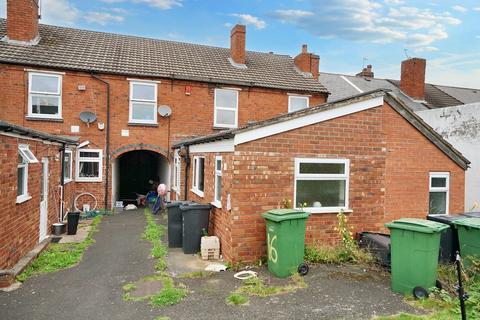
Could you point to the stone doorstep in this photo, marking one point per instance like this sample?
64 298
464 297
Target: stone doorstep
7 276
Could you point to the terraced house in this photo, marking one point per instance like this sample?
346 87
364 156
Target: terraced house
242 130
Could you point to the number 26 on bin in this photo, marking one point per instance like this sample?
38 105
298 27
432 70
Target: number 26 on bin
272 252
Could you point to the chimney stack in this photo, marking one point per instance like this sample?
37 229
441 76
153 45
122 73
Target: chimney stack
366 72
237 44
22 21
308 62
412 80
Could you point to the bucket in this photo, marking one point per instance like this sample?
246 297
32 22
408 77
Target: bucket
58 228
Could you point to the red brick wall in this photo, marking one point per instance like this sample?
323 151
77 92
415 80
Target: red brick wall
412 80
192 114
410 159
382 147
19 223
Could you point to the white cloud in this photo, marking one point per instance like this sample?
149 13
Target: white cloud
249 19
459 9
101 18
394 2
476 9
426 49
161 4
371 21
59 12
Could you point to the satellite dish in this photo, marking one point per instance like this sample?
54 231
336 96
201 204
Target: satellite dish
164 111
88 117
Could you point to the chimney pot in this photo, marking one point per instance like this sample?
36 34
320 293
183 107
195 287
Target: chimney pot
304 48
237 44
412 79
366 72
22 20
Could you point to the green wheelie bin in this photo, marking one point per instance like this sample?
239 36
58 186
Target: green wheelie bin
286 241
415 247
469 239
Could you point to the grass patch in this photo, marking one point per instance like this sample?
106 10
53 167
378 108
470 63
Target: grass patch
162 318
337 255
170 294
236 299
129 287
444 304
60 256
257 287
195 275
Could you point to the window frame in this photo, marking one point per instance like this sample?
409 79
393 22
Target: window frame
24 196
176 172
445 189
217 197
215 109
307 98
322 177
89 159
41 93
154 102
65 179
196 175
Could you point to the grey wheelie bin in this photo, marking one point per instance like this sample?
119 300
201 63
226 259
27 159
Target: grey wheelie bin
175 223
195 222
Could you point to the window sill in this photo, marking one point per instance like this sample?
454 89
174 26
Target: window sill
224 128
216 204
31 118
325 210
139 124
21 199
65 181
197 192
87 180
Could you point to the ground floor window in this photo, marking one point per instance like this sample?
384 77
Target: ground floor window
67 166
218 181
89 165
321 185
176 172
25 156
198 175
439 193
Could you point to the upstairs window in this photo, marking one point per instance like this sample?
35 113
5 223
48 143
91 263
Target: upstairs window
143 102
25 156
44 95
321 185
296 103
226 108
198 175
89 165
439 193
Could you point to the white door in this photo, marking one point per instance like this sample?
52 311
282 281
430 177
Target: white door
44 200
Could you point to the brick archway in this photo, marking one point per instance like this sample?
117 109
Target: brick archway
138 146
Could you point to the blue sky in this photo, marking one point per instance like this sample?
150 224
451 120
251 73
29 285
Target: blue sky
342 32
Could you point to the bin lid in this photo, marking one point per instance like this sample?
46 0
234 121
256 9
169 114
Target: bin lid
469 222
418 225
447 219
177 203
284 214
195 206
472 214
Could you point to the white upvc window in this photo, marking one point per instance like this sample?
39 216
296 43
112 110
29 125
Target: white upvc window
89 165
44 95
225 108
439 190
198 182
176 172
296 103
321 185
67 166
217 201
143 102
25 156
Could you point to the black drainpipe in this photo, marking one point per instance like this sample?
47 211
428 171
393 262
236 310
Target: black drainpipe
62 181
107 142
187 171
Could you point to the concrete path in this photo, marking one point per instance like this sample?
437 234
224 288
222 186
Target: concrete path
93 289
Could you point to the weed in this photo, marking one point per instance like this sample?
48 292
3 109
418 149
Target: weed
257 287
129 287
195 275
161 318
236 299
60 256
168 297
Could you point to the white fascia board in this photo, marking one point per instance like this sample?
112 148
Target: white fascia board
216 146
306 120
